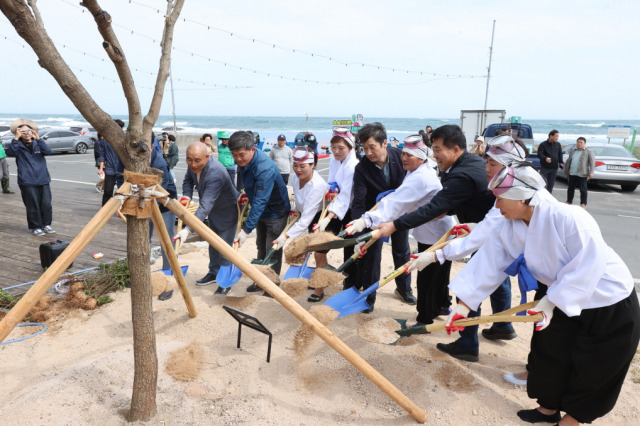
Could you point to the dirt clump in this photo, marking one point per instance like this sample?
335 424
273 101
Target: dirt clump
158 282
296 250
184 364
304 336
321 278
294 287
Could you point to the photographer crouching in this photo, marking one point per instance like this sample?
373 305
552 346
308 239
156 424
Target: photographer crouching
33 175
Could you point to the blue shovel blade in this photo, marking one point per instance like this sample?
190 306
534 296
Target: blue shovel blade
299 271
350 301
228 275
170 272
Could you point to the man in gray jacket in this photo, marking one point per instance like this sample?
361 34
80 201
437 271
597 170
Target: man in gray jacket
218 201
580 165
282 155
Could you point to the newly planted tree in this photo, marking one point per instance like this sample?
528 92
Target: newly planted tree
133 148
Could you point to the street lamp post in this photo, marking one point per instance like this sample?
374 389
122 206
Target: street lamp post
307 119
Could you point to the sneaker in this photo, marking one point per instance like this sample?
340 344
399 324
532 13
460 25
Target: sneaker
49 230
457 351
38 232
495 334
444 311
511 378
407 297
222 291
165 295
207 279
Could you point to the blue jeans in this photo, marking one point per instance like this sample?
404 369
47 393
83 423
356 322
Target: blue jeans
500 301
215 258
169 222
37 201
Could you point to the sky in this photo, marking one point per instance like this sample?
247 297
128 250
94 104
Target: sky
551 59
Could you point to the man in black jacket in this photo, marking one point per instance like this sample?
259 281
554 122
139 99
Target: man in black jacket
465 194
379 171
550 155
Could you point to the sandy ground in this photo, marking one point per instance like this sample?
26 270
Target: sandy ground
80 371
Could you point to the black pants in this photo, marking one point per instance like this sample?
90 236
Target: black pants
37 201
578 364
285 178
549 176
433 289
267 231
109 184
369 265
335 226
581 184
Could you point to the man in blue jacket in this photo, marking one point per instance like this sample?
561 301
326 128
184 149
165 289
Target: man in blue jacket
379 171
465 194
218 198
267 194
110 165
33 175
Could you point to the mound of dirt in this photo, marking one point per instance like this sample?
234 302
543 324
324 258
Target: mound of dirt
304 336
184 364
321 278
294 287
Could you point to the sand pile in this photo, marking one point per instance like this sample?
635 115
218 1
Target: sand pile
184 364
379 330
161 282
304 336
321 278
267 271
294 287
296 250
238 303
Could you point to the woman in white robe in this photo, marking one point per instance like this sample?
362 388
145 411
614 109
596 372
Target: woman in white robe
582 349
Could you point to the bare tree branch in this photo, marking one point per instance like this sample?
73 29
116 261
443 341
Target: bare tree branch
36 13
50 59
116 54
173 11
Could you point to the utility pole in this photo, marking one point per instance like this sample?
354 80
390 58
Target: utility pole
173 101
486 95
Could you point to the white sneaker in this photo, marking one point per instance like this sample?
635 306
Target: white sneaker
38 232
49 230
514 380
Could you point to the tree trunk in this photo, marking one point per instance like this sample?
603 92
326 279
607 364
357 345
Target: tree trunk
143 400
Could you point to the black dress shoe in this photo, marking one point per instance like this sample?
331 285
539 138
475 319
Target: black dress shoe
493 334
535 416
253 288
207 279
407 297
223 291
165 295
368 310
457 351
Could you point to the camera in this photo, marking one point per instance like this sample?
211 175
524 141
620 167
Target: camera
27 132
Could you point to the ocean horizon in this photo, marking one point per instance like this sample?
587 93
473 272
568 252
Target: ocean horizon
269 127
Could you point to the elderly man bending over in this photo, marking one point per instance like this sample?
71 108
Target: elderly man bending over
217 201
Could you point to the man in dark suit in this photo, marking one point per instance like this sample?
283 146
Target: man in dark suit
379 171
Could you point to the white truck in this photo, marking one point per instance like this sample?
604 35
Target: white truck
474 121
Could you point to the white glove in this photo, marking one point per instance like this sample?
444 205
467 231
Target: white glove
359 248
459 312
322 225
355 226
422 261
241 238
544 307
182 235
279 242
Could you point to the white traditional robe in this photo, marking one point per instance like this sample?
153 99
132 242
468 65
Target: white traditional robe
563 248
308 202
416 190
342 174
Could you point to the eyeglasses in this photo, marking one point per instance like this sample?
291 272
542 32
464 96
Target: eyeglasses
503 181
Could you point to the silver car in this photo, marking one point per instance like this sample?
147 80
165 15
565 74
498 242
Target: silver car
615 165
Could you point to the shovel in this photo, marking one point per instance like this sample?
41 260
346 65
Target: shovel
505 316
342 243
267 260
303 270
228 275
350 301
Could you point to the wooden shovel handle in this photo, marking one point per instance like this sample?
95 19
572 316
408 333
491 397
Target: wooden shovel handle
485 319
438 245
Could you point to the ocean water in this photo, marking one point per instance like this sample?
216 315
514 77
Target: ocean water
270 127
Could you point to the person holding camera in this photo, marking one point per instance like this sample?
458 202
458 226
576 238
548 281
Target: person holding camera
169 152
33 175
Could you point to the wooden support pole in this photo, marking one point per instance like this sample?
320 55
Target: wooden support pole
57 268
165 241
298 311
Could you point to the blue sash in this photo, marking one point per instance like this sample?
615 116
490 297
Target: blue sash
526 281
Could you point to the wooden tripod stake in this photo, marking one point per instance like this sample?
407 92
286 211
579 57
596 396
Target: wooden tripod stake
298 311
165 241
